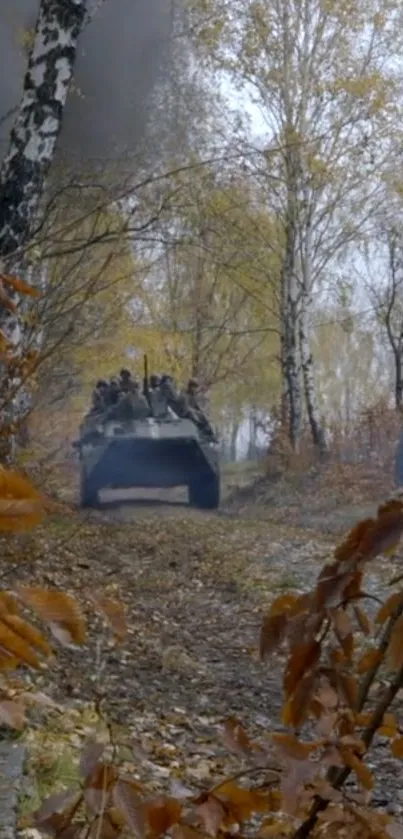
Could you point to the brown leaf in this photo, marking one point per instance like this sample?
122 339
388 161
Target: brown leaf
343 631
114 612
27 632
351 545
394 602
18 648
242 803
273 827
5 300
362 620
272 633
297 706
58 802
303 657
290 746
90 757
386 532
389 726
5 344
395 649
361 770
19 285
283 603
369 660
327 697
98 786
161 815
184 831
342 622
335 814
349 688
8 604
332 584
12 714
396 747
58 609
235 737
126 798
102 827
20 514
212 814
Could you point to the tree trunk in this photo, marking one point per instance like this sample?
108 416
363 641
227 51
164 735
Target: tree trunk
290 318
312 405
233 441
32 145
398 377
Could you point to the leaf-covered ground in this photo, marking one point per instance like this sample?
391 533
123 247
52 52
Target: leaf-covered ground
195 587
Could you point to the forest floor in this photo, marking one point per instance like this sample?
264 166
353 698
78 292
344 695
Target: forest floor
195 586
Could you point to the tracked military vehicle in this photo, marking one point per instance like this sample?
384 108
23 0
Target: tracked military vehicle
153 452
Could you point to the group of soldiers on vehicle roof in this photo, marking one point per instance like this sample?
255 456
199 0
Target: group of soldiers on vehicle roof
123 399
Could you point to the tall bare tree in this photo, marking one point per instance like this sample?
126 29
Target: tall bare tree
32 144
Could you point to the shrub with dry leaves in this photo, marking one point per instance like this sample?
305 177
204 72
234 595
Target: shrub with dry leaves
292 784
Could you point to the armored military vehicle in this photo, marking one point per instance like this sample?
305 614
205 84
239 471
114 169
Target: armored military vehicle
152 452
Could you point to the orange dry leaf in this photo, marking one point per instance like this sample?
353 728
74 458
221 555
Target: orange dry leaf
396 747
242 803
236 738
290 747
361 770
28 633
362 620
385 533
127 800
272 633
395 649
332 584
19 285
394 602
114 612
303 658
283 603
348 687
98 787
351 545
5 344
211 815
370 659
273 828
12 713
297 706
21 505
343 631
59 610
8 603
16 645
161 815
184 831
5 300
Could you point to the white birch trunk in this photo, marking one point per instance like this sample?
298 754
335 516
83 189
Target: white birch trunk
32 145
290 349
311 399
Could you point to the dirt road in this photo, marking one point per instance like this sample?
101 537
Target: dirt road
194 586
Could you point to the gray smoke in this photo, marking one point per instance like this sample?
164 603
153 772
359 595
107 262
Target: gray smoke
123 54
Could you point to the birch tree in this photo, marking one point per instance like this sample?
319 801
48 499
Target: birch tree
321 77
32 144
384 281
